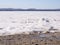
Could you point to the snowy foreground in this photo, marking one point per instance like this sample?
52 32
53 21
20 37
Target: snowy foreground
17 22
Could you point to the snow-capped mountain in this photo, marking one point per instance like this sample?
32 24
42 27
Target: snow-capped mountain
18 22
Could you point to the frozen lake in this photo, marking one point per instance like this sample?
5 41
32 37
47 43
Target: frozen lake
12 22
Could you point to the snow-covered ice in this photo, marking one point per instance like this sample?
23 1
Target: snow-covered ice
12 22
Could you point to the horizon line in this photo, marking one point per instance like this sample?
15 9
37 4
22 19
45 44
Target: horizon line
28 9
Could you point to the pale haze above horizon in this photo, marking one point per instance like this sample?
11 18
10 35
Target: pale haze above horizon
39 4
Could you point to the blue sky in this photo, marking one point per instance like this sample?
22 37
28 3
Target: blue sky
42 4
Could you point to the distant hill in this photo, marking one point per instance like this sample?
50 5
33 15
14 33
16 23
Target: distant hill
31 9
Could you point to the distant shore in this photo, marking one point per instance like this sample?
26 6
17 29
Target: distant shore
12 9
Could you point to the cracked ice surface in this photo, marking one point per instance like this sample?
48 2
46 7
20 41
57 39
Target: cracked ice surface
18 22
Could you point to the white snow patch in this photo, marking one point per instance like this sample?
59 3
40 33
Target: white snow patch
18 22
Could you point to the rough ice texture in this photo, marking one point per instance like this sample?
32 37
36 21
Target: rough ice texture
22 21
